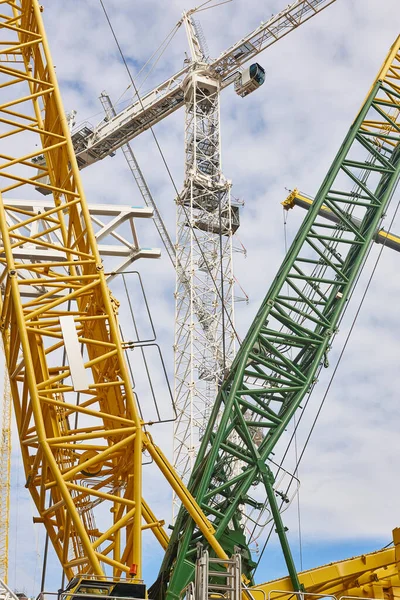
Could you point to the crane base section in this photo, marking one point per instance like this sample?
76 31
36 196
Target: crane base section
86 588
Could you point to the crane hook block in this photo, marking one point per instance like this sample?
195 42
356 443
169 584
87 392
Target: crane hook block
250 80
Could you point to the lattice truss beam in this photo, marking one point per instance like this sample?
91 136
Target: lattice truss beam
78 423
279 360
204 331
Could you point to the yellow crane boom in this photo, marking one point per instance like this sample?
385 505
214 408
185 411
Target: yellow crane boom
78 423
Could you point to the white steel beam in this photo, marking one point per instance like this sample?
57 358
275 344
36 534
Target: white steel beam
112 223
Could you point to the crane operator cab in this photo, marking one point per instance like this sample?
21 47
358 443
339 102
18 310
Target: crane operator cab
87 588
249 80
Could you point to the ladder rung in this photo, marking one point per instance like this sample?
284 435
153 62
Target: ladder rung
221 587
228 561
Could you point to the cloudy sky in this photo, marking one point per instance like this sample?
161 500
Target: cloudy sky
283 136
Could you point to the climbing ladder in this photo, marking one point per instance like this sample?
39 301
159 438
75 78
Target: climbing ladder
216 578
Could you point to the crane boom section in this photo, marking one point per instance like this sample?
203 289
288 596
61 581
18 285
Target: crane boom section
287 344
95 144
80 432
265 35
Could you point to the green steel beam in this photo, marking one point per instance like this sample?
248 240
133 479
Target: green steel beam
279 360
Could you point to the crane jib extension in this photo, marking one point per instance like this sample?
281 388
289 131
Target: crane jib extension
279 360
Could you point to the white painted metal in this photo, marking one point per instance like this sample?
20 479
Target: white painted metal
111 222
196 45
80 381
94 143
204 344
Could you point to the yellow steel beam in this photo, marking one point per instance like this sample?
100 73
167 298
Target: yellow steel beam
296 198
351 577
81 448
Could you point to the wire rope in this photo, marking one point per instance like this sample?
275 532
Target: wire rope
170 36
118 102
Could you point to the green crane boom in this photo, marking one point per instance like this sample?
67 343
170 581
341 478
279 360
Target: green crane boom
278 362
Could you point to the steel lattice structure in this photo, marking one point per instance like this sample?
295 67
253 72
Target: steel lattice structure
78 423
204 317
288 342
204 343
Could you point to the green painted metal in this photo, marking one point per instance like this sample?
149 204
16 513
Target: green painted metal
279 360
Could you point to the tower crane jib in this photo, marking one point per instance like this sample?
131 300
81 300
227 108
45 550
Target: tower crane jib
93 144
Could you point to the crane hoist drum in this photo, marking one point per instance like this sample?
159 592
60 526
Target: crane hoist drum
250 80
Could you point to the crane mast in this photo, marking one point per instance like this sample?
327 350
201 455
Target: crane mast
278 363
204 347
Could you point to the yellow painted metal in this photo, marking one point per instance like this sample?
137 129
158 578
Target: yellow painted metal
81 448
390 69
5 475
295 196
373 575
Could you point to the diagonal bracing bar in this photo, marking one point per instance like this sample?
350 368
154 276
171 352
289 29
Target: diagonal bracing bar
286 346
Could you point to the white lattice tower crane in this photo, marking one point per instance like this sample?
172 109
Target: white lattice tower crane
206 220
204 347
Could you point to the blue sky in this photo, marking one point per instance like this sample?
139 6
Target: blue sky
283 136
